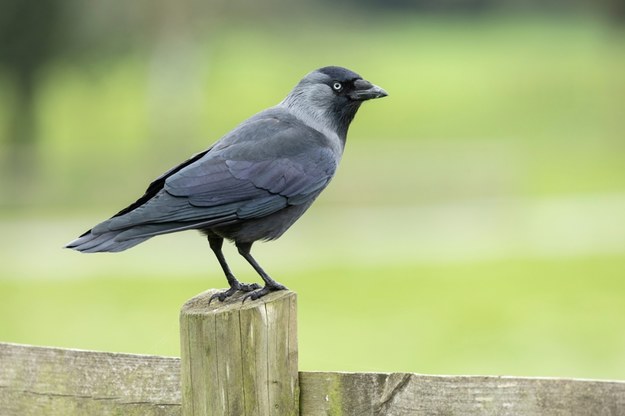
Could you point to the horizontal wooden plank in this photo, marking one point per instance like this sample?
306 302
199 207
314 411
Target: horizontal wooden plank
54 381
403 394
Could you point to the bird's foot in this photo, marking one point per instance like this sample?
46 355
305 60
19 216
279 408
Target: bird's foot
248 287
238 287
257 294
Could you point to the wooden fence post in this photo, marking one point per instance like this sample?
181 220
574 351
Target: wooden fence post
239 358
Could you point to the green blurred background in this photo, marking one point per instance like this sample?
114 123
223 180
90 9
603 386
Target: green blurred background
476 225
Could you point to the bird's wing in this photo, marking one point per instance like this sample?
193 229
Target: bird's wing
261 167
157 184
265 161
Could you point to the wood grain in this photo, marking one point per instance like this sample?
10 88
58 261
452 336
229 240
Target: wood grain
239 358
53 381
406 394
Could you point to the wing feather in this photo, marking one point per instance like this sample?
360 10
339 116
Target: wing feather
261 167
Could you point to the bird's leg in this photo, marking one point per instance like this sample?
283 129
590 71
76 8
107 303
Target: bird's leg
270 284
216 244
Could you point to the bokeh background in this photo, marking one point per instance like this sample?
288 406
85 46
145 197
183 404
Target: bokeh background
476 225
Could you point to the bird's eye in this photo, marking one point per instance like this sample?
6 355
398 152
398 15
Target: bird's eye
337 86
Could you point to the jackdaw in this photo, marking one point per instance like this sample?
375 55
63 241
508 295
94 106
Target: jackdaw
253 183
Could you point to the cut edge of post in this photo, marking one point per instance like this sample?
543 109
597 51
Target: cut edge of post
199 304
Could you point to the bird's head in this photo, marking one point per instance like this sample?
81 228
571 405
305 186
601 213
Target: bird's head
330 97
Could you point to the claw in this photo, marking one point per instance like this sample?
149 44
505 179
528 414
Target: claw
225 294
257 294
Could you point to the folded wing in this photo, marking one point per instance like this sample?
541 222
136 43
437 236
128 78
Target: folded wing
263 166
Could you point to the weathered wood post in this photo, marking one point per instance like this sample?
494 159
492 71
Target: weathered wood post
239 358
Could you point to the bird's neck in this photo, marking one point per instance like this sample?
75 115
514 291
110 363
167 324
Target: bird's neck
332 122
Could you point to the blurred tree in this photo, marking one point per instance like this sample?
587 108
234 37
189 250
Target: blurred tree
27 40
463 6
616 10
28 30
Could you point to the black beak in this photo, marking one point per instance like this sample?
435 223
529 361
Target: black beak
364 90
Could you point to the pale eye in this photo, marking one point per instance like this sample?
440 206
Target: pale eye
337 86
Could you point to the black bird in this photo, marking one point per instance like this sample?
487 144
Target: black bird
253 183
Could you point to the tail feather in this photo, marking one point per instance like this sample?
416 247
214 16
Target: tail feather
106 242
95 240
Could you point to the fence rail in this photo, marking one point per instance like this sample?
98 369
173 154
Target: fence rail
53 381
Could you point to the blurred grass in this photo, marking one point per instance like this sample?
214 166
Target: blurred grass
551 317
524 113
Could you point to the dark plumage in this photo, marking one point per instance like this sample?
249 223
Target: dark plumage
252 184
